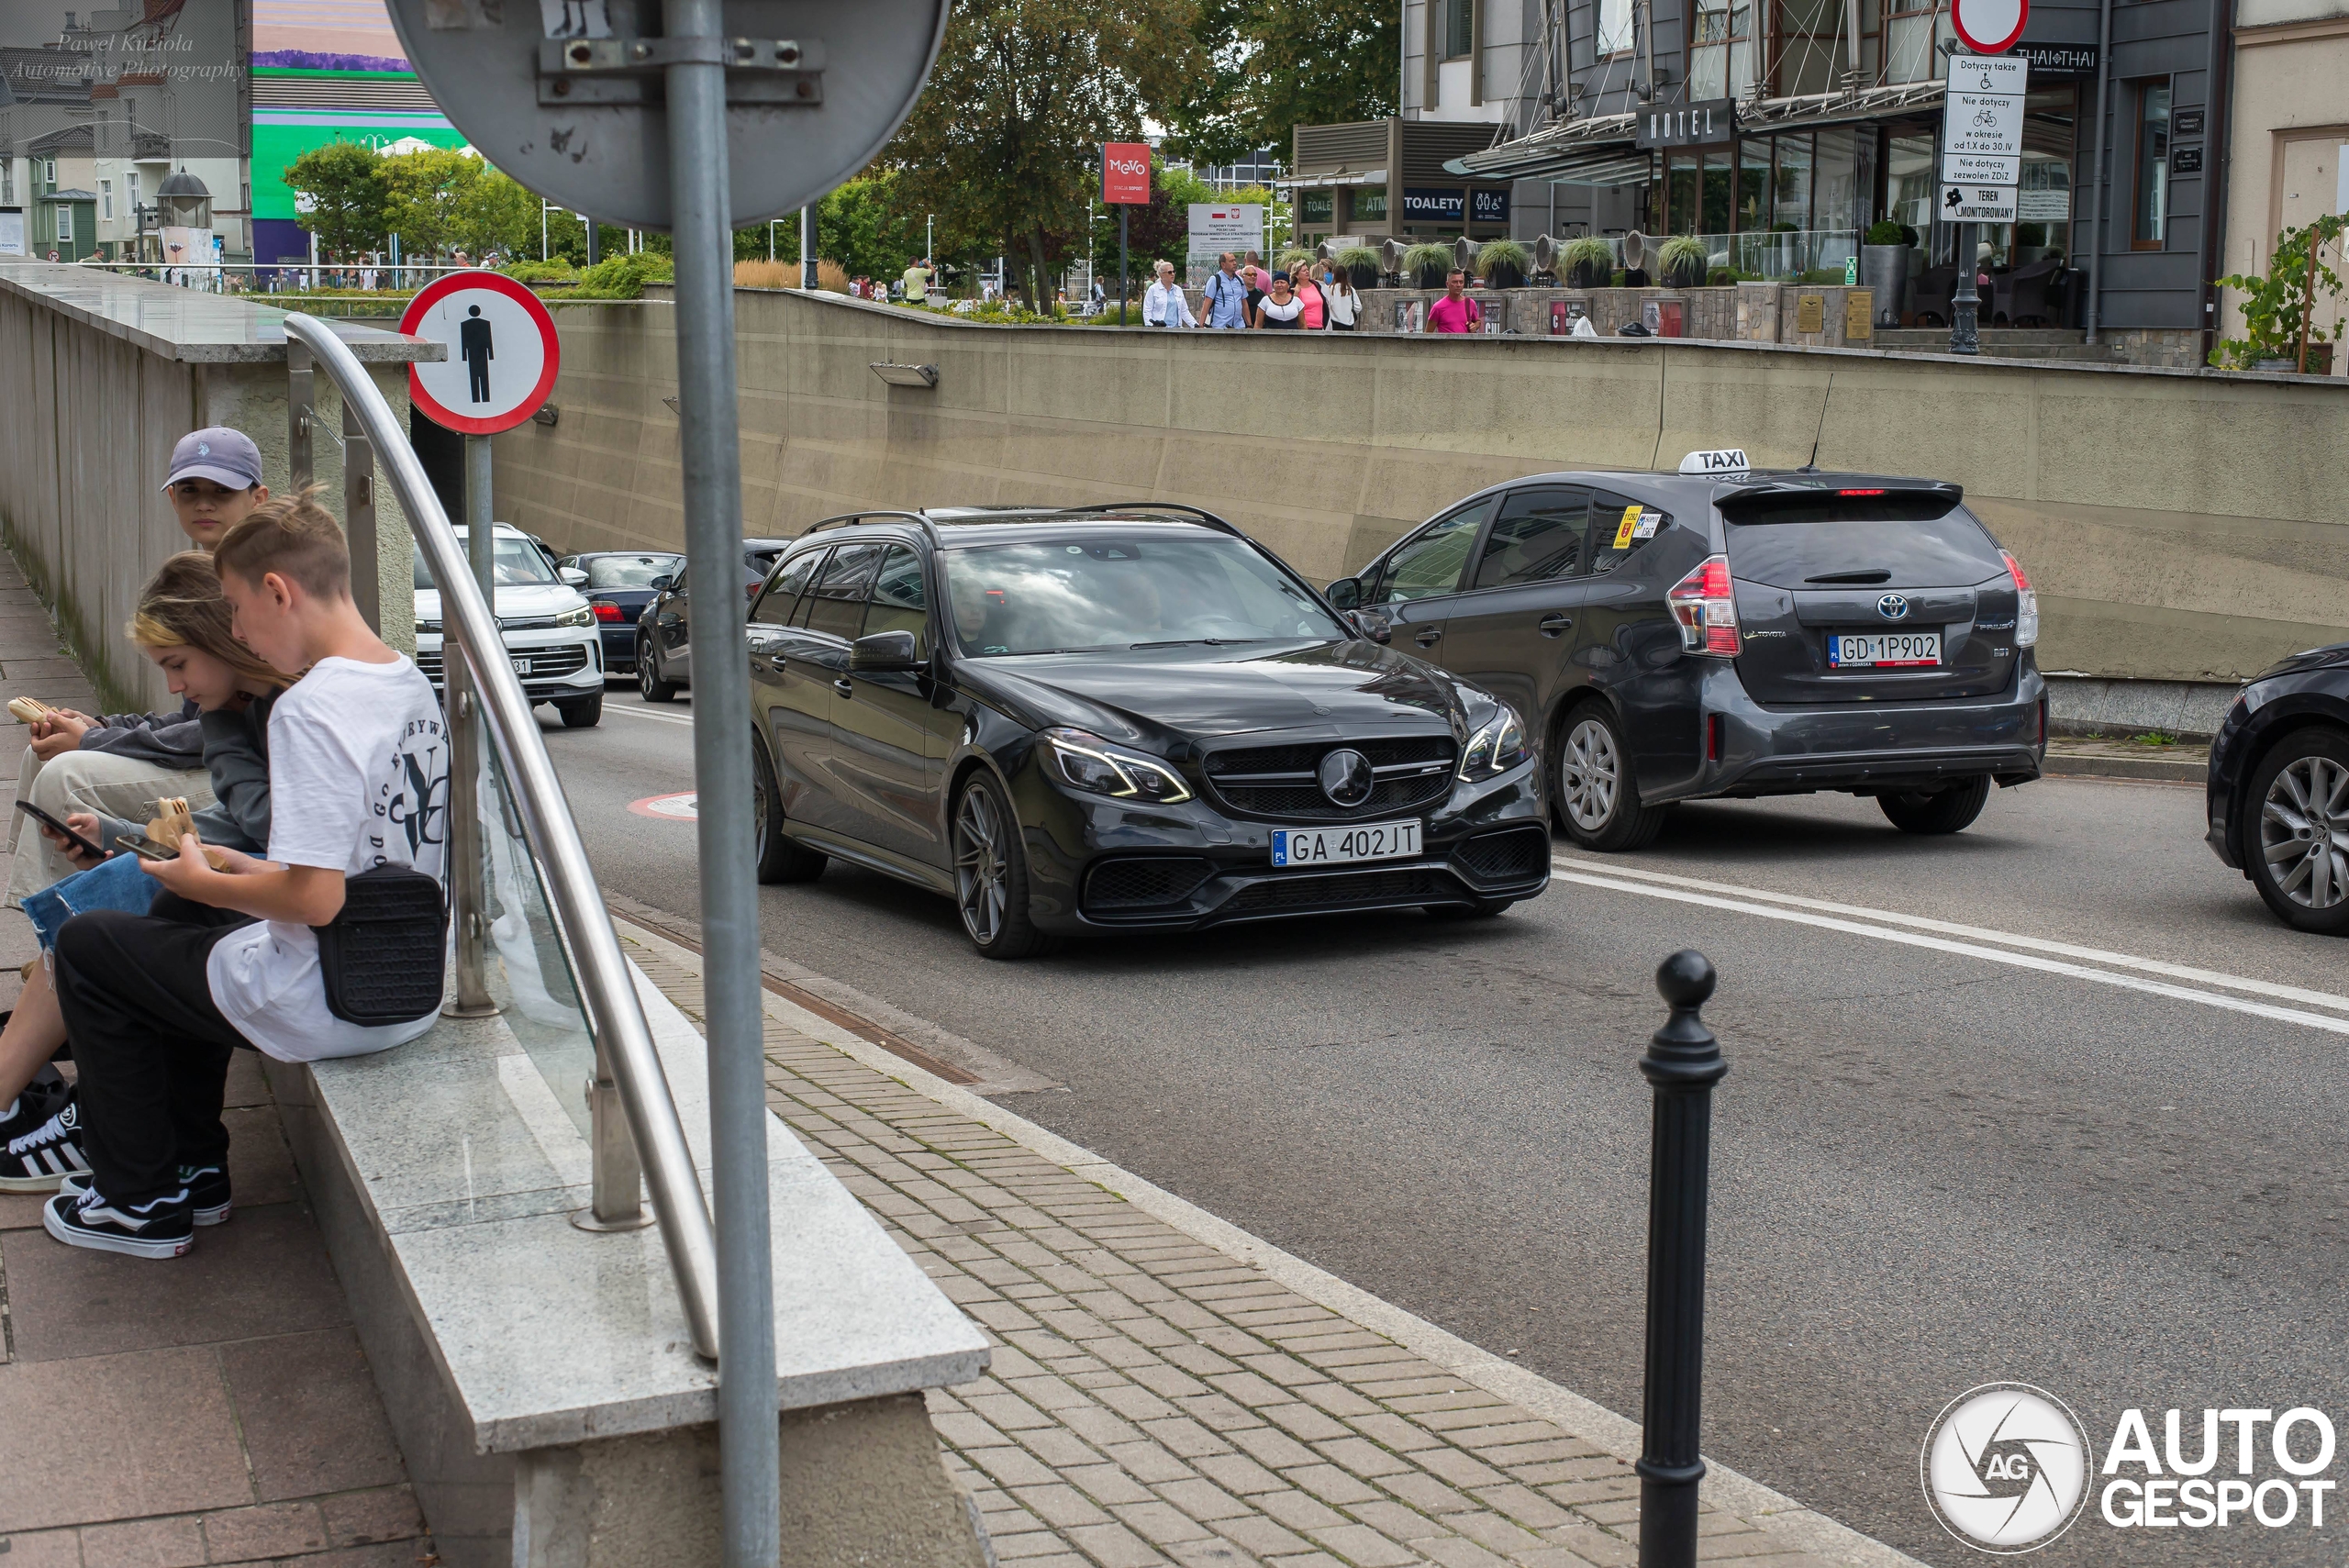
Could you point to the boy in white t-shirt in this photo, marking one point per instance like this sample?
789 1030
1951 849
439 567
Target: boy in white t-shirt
155 1003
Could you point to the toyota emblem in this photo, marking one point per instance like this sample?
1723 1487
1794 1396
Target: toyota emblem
1892 606
1345 777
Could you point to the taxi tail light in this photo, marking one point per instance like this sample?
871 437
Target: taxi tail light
605 611
1705 603
2026 603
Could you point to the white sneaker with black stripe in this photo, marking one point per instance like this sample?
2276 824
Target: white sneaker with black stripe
160 1228
39 1161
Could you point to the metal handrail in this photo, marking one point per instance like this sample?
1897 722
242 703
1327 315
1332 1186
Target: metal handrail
622 1035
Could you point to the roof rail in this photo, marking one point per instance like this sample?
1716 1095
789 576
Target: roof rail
1201 513
850 519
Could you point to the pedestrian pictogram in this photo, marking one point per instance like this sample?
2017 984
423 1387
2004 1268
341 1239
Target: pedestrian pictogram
502 353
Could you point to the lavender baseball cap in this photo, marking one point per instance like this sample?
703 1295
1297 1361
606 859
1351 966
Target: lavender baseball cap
224 456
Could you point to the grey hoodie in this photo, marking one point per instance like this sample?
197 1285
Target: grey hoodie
165 741
236 753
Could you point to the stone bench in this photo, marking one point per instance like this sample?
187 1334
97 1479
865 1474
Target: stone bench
541 1378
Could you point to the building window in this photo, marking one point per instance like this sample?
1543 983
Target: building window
1459 28
7 182
1722 63
1615 26
47 175
1316 207
2149 211
1369 204
106 200
1910 34
130 192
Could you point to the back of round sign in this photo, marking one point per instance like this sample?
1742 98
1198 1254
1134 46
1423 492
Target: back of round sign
565 94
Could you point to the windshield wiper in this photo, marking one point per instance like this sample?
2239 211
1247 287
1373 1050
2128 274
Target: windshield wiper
1209 641
1867 574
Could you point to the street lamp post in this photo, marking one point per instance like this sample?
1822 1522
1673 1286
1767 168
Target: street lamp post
1683 1064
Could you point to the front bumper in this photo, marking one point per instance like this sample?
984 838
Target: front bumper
565 662
1102 865
1869 747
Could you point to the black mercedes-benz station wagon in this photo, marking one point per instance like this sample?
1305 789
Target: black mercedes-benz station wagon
1118 718
1724 632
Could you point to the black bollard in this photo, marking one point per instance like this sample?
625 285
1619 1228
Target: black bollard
1683 1061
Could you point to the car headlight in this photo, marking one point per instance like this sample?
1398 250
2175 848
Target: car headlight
1496 747
1086 762
584 616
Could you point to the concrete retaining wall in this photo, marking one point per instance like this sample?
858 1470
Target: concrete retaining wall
2179 526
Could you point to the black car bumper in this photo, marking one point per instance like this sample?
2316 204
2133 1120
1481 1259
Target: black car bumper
1099 866
619 648
1869 747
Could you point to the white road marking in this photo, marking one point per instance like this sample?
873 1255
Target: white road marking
1974 933
639 713
1968 950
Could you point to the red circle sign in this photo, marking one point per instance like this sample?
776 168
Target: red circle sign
1989 26
502 352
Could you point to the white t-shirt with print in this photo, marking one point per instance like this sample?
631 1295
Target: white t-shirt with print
358 778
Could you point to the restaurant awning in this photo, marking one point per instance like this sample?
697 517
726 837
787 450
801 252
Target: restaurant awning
1332 180
1603 149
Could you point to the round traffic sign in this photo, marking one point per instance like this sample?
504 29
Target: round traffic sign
502 353
568 97
1989 26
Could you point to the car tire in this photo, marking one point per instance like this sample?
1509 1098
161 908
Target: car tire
780 857
1596 795
649 684
582 713
991 873
1946 810
2303 763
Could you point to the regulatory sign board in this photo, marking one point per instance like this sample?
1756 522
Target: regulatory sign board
502 352
1977 204
1218 227
1987 125
1125 173
1981 169
1989 26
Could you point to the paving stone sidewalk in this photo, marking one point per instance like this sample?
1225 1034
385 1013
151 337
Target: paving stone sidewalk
1155 1400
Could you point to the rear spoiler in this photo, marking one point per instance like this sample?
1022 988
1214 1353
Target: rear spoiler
1826 487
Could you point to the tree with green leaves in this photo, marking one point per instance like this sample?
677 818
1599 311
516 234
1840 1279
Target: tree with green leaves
345 200
1004 143
1272 68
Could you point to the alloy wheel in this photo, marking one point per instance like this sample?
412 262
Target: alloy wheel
979 880
1589 774
645 674
759 787
2304 832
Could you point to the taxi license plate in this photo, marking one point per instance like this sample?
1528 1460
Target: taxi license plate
521 666
1885 650
1339 846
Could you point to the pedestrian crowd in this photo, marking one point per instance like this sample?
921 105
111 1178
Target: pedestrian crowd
250 872
1241 294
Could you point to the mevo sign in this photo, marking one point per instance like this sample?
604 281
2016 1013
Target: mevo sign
1125 173
1687 124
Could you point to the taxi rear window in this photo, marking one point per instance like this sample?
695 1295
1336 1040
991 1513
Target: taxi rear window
1897 540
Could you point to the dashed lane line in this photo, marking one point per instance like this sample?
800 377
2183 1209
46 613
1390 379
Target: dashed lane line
658 717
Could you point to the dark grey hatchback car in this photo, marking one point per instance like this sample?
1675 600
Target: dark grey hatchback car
1730 634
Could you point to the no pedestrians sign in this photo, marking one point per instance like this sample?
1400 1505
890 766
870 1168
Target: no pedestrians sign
502 353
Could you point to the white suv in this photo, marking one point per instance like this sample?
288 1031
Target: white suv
547 628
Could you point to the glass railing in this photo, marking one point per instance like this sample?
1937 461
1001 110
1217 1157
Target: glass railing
1793 255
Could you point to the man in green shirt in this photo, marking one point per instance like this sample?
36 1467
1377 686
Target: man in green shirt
918 282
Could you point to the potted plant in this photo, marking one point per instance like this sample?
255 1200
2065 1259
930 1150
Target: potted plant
1289 262
1884 268
2279 310
1685 262
1503 263
1589 262
1360 265
1427 265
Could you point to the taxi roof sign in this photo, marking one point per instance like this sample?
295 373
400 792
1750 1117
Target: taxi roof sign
1731 461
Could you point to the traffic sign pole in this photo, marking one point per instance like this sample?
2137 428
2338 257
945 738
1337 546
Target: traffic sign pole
749 1438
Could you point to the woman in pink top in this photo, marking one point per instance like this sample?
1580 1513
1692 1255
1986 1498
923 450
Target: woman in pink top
1317 303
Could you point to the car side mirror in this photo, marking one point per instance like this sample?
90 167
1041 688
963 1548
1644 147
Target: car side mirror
661 584
573 576
1370 625
1346 592
884 650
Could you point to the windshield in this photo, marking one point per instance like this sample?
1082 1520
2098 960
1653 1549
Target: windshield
1076 594
514 563
628 571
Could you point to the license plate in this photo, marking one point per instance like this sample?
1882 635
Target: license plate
1338 846
1885 650
521 666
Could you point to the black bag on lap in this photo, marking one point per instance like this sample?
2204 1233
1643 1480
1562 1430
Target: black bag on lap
382 958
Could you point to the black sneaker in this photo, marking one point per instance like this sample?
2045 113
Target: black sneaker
160 1228
36 1104
207 1191
40 1160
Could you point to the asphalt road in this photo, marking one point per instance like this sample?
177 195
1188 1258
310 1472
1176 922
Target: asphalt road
1972 1130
